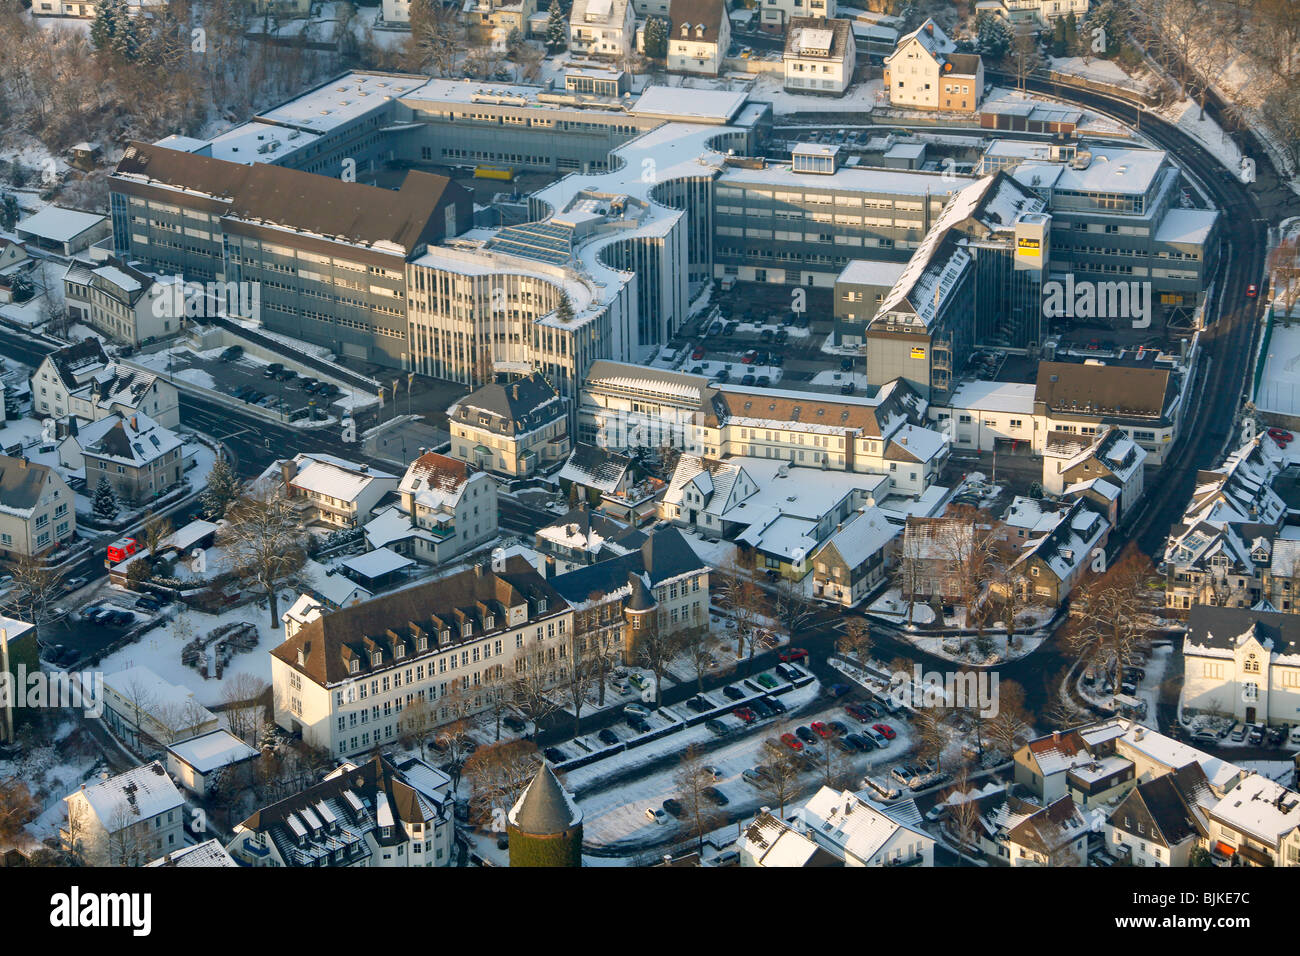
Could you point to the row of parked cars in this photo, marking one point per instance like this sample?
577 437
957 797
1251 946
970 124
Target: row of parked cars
107 616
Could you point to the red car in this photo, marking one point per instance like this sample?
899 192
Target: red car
745 714
792 654
698 353
858 711
1252 290
748 357
1281 436
821 729
793 742
884 730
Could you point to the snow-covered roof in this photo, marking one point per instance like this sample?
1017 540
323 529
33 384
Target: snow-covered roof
138 794
701 105
374 564
183 537
154 695
207 853
851 825
1261 808
211 751
994 396
1172 754
864 536
335 588
57 224
335 477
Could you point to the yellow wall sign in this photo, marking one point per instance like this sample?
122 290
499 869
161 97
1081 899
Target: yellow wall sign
1028 247
918 352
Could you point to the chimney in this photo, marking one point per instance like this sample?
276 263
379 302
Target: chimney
929 28
515 390
134 426
1056 736
365 469
286 471
478 570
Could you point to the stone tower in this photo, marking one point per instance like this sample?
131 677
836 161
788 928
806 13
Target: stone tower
545 825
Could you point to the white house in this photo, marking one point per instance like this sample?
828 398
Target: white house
333 491
699 34
125 820
1243 663
37 510
64 232
602 28
820 56
125 304
1159 822
199 763
770 841
1041 12
926 72
445 508
140 707
1256 824
862 833
80 380
1111 454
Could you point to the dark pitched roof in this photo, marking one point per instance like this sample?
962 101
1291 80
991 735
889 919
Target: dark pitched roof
1104 390
1168 802
517 406
545 807
1219 627
665 554
596 466
964 64
71 358
708 13
584 520
840 30
300 200
21 482
331 641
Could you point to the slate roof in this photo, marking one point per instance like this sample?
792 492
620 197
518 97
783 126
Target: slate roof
595 467
1222 628
545 807
664 555
515 407
1105 390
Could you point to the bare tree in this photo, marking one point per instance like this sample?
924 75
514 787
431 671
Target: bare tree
533 692
17 808
498 775
931 730
746 603
265 541
242 695
1108 612
856 639
584 673
655 646
781 768
35 588
1011 725
963 810
1024 57
794 609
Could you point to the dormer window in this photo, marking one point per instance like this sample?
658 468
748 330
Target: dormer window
376 658
686 30
354 666
541 605
302 658
699 30
446 634
399 652
422 645
467 629
488 622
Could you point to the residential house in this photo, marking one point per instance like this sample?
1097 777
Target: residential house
37 512
207 853
602 28
145 711
514 429
1055 835
820 56
333 491
496 18
770 841
699 35
1162 820
141 459
1154 755
125 820
929 551
862 833
1051 565
81 381
856 559
1110 454
611 483
210 760
1242 663
343 680
1041 12
582 537
1257 823
127 305
446 508
383 812
11 254
926 72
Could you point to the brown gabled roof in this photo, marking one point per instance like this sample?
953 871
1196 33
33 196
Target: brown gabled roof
1050 829
333 639
696 12
1103 390
21 482
963 64
841 36
300 200
439 471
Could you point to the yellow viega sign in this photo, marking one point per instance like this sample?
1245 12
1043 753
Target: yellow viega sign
1029 247
918 352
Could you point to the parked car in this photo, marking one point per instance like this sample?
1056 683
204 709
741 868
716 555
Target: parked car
749 357
821 729
673 807
716 726
1276 735
903 774
147 603
806 735
792 654
776 705
746 714
1256 735
1281 436
656 815
1239 732
272 370
793 742
699 704
514 723
732 692
232 353
848 388
838 690
1205 736
555 755
763 381
787 671
74 584
860 742
607 736
760 708
748 379
636 710
884 730
1252 290
755 778
717 797
782 336
876 737
767 680
639 724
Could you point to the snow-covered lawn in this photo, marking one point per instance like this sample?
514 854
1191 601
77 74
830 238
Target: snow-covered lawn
861 98
52 771
892 606
1187 117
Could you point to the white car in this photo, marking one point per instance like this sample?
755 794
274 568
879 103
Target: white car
636 710
876 736
656 815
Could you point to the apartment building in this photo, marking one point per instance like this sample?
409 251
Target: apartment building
37 511
1110 454
856 559
445 509
925 72
602 28
126 820
1042 12
81 381
699 35
344 679
127 305
515 428
1241 662
381 812
820 56
327 256
1257 824
141 459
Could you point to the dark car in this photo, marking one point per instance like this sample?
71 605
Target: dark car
147 603
760 708
607 736
789 320
848 388
716 726
672 807
763 381
806 735
717 796
514 723
747 379
766 335
555 755
715 328
838 726
788 672
730 328
775 704
838 690
285 374
274 369
846 365
776 359
858 742
732 692
639 724
120 618
697 705
1256 736
232 353
782 336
